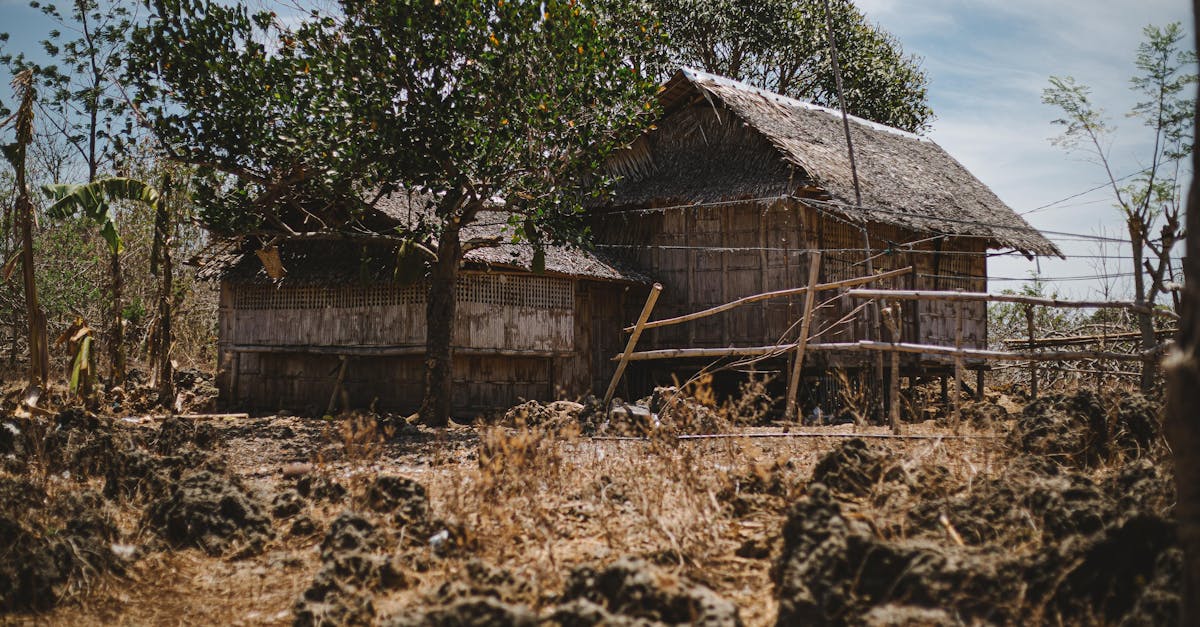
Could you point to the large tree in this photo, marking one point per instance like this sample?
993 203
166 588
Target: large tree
465 100
783 46
1150 204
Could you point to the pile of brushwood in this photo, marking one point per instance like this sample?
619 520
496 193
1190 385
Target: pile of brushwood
665 412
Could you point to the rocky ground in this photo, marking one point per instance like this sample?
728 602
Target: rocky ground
1059 512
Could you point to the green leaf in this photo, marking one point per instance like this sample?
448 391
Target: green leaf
94 201
80 367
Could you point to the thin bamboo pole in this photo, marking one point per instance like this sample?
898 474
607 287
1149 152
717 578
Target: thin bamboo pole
814 270
894 391
1068 340
957 396
793 434
629 346
1033 369
1003 298
796 291
892 318
970 353
944 351
688 353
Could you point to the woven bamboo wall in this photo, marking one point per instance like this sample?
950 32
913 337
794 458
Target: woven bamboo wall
516 337
709 255
496 311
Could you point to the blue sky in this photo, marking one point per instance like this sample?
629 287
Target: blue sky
988 61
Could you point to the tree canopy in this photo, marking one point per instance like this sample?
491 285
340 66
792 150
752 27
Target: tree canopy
468 99
783 46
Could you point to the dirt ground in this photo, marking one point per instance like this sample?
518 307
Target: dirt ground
1059 513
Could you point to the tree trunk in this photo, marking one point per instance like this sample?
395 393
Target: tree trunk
164 230
1183 399
1145 321
116 334
440 312
39 344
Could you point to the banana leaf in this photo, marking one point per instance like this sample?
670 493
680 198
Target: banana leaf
94 200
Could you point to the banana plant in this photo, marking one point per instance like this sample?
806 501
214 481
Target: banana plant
81 374
94 201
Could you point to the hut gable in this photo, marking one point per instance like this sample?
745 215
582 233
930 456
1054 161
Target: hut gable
697 156
907 181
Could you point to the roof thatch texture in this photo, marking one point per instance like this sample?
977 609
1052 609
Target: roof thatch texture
407 210
906 180
363 260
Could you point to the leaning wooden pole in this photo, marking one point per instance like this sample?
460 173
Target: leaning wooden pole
1182 368
632 343
810 297
949 296
795 291
338 390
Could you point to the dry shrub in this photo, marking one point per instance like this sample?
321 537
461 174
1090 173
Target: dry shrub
753 405
688 409
518 462
538 502
854 397
359 436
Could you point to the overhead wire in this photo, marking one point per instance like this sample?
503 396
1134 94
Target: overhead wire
815 203
1084 192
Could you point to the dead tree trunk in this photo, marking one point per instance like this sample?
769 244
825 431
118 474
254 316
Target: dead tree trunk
1183 400
39 346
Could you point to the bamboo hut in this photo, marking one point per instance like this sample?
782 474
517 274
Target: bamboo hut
734 188
345 325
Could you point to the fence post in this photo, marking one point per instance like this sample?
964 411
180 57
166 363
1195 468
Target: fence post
814 269
958 333
1033 383
892 319
629 346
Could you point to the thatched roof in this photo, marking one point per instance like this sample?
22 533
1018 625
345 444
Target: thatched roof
906 180
407 209
361 259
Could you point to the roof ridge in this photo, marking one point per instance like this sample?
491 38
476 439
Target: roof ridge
698 76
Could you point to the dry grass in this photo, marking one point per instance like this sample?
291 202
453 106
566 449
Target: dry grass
538 502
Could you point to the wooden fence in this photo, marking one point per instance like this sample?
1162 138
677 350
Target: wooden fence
892 313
